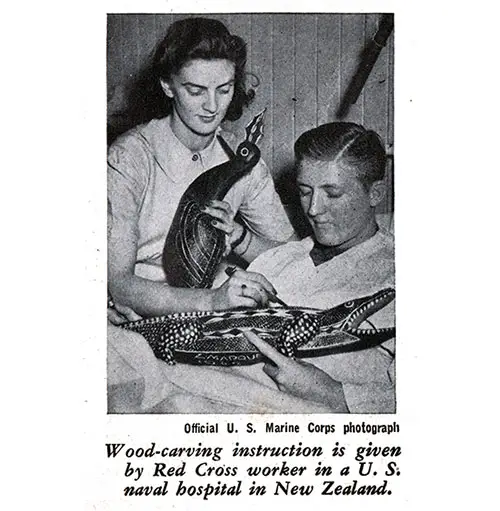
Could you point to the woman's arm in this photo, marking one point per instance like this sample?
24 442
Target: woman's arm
251 244
240 239
150 298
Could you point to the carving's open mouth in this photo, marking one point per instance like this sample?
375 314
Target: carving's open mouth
365 309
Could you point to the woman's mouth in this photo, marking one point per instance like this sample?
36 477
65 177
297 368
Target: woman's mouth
207 119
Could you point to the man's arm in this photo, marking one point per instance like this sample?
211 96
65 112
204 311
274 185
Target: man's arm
300 378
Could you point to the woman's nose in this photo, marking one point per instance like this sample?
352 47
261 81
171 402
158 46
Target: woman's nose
210 104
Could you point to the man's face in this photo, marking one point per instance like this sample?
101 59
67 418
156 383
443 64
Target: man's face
337 205
201 91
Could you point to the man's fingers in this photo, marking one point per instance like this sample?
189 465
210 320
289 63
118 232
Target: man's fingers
115 317
267 350
127 312
271 370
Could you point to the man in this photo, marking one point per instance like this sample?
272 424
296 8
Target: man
340 176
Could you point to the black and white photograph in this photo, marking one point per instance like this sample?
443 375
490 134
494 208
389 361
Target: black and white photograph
250 200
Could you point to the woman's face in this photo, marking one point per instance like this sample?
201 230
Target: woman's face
201 92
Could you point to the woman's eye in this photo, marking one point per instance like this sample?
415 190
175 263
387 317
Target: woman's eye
334 195
225 90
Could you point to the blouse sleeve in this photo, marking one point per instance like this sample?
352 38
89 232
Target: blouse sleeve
260 206
126 183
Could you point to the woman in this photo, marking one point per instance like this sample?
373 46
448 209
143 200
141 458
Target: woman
199 68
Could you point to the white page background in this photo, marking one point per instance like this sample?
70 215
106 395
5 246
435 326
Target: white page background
54 239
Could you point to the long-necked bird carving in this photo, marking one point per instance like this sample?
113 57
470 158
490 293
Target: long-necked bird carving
194 248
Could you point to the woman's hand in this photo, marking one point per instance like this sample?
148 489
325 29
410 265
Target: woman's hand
300 378
224 220
243 289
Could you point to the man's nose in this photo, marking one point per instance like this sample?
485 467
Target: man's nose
210 104
315 205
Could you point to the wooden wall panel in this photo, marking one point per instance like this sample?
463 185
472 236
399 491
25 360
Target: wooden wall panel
114 54
352 43
306 74
129 45
262 67
329 59
304 63
375 96
162 22
283 91
147 38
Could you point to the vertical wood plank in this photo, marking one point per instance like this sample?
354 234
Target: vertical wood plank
239 25
329 64
262 68
306 86
376 87
146 40
378 105
114 56
162 22
224 18
352 41
390 179
283 91
129 46
390 92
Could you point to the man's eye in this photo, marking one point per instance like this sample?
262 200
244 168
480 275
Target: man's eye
334 195
194 91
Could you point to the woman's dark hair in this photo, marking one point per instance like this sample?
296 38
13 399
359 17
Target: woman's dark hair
347 143
188 39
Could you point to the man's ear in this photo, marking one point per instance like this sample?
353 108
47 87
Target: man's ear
377 193
166 88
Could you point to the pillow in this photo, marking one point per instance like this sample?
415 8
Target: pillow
386 221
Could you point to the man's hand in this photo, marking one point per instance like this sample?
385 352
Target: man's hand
119 314
300 378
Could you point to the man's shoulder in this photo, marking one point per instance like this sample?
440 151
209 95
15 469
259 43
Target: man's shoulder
294 248
280 256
